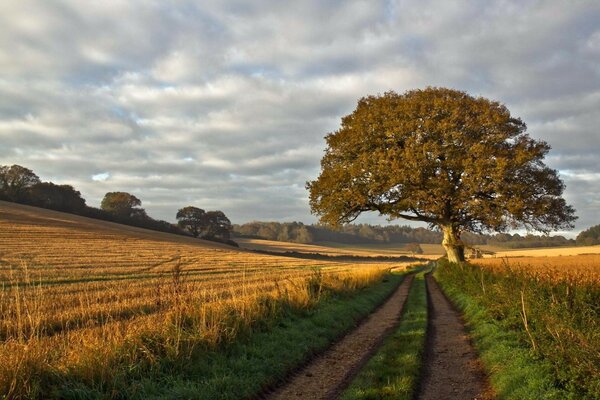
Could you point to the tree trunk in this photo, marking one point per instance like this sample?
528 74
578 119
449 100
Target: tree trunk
455 248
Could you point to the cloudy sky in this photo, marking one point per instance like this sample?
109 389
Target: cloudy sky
224 104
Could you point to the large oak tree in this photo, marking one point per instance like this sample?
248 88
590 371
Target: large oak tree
441 156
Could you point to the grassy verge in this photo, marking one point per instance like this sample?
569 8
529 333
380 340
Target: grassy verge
538 339
251 363
394 371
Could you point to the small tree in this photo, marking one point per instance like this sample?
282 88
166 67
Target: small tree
440 156
14 182
193 219
122 204
218 225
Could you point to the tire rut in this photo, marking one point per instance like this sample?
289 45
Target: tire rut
328 374
452 368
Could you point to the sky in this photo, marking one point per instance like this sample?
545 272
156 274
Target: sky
225 104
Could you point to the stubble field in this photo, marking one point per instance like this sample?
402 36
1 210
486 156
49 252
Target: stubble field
86 299
430 251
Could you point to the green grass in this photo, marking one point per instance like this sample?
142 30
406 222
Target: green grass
394 370
251 364
556 368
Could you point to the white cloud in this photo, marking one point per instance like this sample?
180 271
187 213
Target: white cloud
225 105
101 177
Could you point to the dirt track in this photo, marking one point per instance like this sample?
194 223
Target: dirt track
452 368
327 375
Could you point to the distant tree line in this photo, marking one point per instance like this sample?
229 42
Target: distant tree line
298 232
589 237
21 185
516 241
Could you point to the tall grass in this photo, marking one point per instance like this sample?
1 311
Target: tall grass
556 318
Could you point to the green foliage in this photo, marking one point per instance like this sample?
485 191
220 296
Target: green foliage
394 371
519 318
590 236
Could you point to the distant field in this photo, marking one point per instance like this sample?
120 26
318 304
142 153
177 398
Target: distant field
547 252
77 293
431 251
580 268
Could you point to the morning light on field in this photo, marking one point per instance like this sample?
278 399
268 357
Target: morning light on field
312 200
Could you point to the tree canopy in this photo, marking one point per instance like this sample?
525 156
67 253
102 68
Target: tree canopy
56 197
218 225
590 236
192 219
15 180
122 204
211 224
440 156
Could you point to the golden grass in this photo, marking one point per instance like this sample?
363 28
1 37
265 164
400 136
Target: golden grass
85 297
575 268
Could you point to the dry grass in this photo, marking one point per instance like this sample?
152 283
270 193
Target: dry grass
578 268
547 304
87 298
550 302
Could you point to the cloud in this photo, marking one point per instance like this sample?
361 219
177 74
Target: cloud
225 105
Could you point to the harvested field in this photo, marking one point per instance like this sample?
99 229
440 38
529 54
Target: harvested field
81 296
545 252
337 249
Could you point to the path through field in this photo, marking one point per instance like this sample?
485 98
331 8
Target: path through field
452 368
327 375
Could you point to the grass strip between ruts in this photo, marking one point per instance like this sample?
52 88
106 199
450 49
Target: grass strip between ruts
250 365
393 372
513 371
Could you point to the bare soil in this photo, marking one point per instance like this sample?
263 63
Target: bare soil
328 374
452 368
